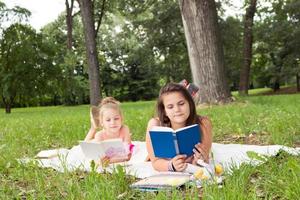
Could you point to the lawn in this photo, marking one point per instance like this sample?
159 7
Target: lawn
251 120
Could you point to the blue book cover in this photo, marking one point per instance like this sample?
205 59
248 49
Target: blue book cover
167 143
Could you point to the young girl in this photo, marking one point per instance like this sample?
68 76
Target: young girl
176 109
108 116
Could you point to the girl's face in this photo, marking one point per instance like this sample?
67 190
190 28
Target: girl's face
111 121
177 109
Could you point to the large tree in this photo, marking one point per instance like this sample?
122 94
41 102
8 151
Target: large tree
86 9
205 49
25 65
247 52
69 22
276 52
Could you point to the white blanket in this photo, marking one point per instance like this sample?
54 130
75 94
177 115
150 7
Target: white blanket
228 155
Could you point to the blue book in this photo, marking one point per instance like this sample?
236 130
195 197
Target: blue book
167 143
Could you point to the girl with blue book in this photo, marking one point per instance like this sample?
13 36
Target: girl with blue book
176 109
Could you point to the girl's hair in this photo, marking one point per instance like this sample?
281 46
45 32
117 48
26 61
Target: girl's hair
160 107
106 103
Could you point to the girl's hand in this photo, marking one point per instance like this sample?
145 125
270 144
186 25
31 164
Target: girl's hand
179 163
129 156
199 153
189 159
105 161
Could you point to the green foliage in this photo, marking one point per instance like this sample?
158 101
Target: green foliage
231 29
276 55
12 15
160 24
129 71
72 87
26 65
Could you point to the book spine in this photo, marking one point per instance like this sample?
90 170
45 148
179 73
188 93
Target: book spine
176 143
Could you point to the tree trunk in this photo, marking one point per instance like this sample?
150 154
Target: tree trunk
245 70
298 82
7 108
205 50
276 86
69 22
91 50
8 103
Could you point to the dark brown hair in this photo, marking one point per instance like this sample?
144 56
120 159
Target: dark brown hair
160 107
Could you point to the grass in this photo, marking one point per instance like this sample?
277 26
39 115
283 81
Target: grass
253 119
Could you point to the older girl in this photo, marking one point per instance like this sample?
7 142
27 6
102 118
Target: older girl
176 109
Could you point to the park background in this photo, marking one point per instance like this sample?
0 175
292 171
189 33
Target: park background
141 45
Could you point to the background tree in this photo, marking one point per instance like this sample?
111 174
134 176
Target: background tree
72 87
87 15
12 15
24 66
277 42
247 51
205 50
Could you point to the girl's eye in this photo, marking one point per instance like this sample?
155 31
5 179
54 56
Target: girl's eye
169 106
117 118
181 103
107 120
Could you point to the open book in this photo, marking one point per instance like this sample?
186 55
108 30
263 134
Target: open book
167 143
113 148
163 180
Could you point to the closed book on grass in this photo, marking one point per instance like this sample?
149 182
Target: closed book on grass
113 148
167 143
162 181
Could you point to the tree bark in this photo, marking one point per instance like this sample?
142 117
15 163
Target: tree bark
91 50
298 82
205 50
100 16
69 22
245 70
7 108
8 103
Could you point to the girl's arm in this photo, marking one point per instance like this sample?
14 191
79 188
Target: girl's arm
91 134
125 134
161 164
205 145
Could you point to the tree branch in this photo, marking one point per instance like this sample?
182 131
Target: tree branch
100 17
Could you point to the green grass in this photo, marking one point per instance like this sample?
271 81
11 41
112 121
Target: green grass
26 131
253 91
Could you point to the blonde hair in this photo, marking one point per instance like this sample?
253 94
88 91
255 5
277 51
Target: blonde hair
97 111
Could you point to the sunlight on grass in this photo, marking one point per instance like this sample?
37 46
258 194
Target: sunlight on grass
253 91
26 131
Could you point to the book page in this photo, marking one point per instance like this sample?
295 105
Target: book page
162 129
163 180
110 148
187 127
114 148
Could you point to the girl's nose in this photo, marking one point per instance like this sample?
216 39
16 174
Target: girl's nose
177 108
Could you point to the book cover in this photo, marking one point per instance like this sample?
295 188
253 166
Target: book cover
167 143
113 148
191 87
164 180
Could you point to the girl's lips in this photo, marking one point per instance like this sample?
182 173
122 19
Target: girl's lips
178 115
